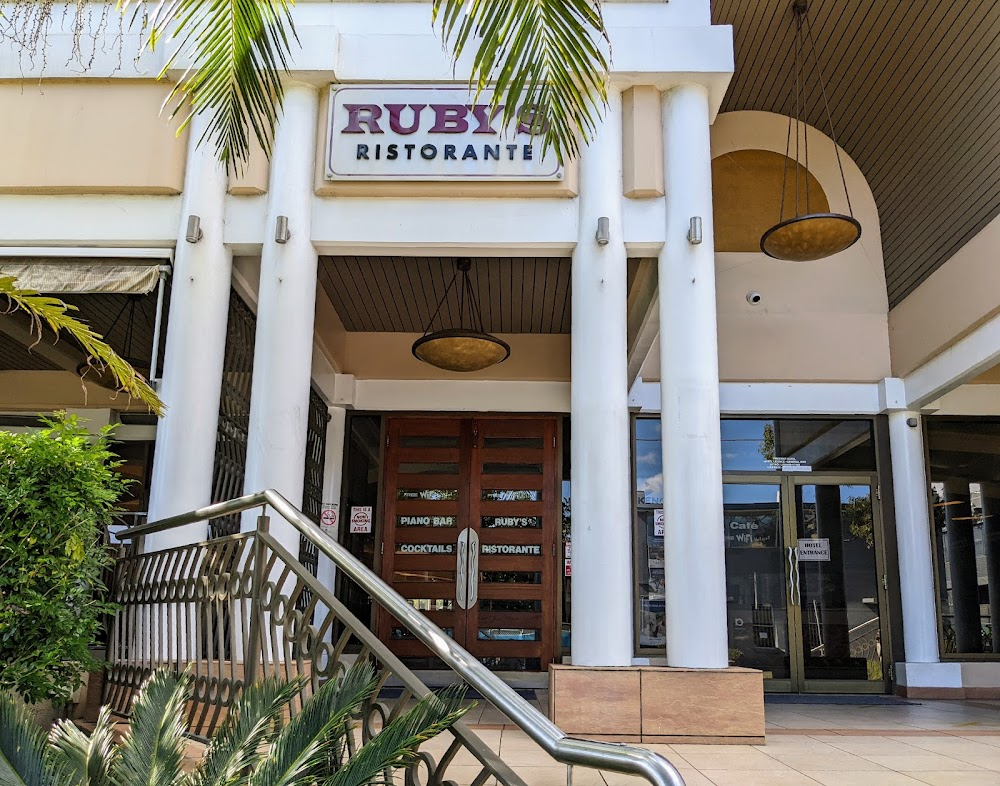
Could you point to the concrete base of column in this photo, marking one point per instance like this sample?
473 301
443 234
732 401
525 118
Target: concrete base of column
654 704
948 680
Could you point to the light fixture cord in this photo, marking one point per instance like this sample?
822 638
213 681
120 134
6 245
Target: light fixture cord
829 117
441 302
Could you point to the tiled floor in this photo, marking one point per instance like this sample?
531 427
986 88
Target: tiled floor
931 742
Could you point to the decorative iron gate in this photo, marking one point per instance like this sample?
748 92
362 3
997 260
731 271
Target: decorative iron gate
234 412
312 488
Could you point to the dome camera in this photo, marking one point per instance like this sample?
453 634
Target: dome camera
754 298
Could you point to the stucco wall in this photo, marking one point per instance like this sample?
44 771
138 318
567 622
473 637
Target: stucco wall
88 136
817 321
955 299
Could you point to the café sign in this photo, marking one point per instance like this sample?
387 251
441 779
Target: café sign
430 134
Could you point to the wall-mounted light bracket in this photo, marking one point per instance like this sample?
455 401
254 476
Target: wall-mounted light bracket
603 235
281 233
694 230
912 422
194 233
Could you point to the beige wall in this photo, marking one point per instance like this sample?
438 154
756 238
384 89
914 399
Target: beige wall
388 356
46 391
955 299
642 143
88 136
818 321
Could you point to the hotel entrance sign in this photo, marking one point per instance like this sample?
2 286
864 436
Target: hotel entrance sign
428 133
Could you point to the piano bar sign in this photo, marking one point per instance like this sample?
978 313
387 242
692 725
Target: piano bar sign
429 133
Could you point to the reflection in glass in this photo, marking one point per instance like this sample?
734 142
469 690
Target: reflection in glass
797 445
512 495
965 499
652 619
756 579
648 462
432 495
509 634
838 583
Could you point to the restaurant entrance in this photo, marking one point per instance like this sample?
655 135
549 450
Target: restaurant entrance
471 513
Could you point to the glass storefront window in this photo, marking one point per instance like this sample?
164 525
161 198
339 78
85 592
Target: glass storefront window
786 445
965 507
650 622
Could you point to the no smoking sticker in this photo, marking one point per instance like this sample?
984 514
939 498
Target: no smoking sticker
361 520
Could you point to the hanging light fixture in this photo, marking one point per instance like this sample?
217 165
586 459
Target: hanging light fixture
462 348
103 376
806 235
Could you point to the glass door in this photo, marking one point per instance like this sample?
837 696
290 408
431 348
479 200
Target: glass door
838 586
803 581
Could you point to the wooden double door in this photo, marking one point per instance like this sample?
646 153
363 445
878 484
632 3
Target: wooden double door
472 516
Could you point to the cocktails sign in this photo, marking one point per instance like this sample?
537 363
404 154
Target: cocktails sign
429 133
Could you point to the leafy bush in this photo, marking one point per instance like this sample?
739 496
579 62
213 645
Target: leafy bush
58 490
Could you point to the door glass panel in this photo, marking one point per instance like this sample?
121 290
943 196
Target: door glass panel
838 582
756 583
793 445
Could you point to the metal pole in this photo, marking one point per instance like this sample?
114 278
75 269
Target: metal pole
158 323
254 652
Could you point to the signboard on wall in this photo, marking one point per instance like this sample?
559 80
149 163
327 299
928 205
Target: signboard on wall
361 520
427 133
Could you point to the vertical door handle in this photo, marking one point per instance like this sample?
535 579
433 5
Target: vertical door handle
461 570
798 579
472 571
793 574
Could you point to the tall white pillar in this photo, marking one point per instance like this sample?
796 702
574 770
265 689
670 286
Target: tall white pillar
195 348
279 406
601 511
913 538
695 564
333 466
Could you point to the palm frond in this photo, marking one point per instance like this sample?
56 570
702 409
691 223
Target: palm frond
546 59
45 310
83 760
22 747
301 749
152 752
397 743
252 721
240 49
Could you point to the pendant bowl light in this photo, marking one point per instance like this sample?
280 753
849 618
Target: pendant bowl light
806 236
461 349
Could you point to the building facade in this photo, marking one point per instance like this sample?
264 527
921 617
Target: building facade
695 456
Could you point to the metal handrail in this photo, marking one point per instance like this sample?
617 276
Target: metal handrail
564 749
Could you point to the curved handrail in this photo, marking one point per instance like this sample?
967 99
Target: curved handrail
564 749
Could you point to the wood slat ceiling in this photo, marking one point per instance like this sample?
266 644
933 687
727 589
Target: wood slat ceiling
400 294
915 100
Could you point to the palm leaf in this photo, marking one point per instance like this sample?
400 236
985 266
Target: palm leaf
397 743
22 747
45 310
240 49
252 721
83 760
152 752
303 746
546 56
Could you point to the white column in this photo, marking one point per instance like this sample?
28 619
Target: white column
695 565
196 344
913 539
333 466
279 406
601 511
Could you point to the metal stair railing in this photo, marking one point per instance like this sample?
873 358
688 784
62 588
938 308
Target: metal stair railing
241 607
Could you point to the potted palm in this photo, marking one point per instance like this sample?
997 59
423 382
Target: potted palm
252 747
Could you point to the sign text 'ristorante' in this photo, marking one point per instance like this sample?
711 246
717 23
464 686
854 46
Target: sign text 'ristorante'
429 133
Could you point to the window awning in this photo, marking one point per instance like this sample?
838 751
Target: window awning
91 275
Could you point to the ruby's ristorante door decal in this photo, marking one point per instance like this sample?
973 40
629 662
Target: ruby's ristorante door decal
429 133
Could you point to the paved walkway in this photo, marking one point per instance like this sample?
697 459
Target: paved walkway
930 742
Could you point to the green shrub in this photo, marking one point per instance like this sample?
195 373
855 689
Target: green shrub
58 490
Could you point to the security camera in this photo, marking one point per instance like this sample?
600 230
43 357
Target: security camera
753 298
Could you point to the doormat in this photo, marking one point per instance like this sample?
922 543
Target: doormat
472 695
799 698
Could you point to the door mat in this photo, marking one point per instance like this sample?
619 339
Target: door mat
799 698
470 694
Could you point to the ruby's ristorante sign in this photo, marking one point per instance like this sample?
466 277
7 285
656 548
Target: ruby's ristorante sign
428 133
